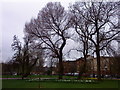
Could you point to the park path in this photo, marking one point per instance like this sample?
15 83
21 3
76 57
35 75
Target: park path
25 78
45 78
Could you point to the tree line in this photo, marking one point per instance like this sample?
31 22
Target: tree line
91 24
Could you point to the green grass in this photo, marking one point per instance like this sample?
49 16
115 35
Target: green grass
11 76
52 84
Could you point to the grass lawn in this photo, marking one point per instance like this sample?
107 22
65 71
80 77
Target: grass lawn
52 84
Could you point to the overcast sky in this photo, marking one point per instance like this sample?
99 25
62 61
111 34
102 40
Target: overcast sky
13 16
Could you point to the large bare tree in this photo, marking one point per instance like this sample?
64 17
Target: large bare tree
51 29
99 18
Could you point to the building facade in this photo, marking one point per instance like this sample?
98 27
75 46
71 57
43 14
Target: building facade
91 65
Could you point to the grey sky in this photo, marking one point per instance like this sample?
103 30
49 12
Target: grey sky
14 14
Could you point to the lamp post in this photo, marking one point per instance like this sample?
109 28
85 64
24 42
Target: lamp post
105 69
39 73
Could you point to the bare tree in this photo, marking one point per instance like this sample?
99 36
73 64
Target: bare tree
50 28
17 57
98 16
26 56
81 27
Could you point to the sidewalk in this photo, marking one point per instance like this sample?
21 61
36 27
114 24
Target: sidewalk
56 78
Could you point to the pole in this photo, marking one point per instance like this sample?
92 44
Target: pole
39 73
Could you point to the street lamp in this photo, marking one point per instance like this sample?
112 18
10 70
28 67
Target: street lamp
105 68
39 73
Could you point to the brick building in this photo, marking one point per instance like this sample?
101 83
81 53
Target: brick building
69 66
105 65
91 65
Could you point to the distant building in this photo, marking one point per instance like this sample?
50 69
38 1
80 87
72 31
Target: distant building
105 65
91 65
69 66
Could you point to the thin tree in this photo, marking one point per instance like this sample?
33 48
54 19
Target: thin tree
26 56
81 27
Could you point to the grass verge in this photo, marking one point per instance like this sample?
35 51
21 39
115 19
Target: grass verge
52 84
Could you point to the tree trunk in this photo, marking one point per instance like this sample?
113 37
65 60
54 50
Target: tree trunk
23 71
98 65
98 50
82 70
60 68
98 55
61 57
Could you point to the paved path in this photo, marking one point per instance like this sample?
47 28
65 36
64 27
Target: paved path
53 78
12 78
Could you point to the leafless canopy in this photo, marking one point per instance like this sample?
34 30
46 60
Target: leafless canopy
94 21
51 28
